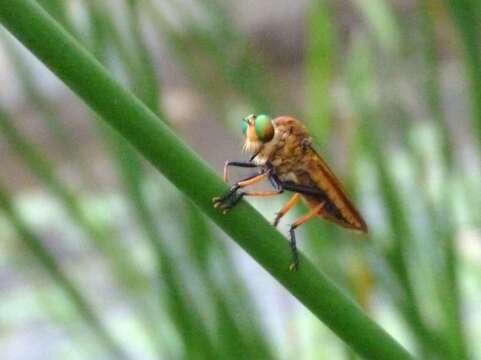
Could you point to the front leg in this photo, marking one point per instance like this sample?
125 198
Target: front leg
238 164
232 197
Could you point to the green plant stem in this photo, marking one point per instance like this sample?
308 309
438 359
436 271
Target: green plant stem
85 76
233 337
197 343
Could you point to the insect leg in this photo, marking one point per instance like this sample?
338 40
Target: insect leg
302 189
290 204
231 197
274 180
253 180
262 193
238 164
292 236
236 187
233 200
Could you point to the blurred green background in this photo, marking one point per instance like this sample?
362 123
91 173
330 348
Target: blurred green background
100 257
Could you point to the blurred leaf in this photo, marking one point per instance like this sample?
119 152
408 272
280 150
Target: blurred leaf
467 17
319 68
53 268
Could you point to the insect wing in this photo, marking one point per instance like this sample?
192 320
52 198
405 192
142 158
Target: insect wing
325 179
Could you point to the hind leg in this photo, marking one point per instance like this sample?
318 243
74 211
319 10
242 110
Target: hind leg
293 201
292 235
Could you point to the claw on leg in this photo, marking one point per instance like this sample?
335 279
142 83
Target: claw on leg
293 267
275 222
228 201
216 201
231 197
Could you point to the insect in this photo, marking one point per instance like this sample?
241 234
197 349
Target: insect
283 154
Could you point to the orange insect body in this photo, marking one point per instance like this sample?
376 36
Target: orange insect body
283 154
293 159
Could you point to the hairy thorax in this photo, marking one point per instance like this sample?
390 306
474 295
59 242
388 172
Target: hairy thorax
286 150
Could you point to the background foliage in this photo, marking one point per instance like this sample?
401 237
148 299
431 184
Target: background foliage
101 257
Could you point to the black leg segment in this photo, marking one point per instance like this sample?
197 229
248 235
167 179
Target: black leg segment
242 164
302 189
295 255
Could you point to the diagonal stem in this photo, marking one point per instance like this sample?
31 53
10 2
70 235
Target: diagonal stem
158 144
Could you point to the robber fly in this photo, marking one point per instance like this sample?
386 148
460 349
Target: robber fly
283 154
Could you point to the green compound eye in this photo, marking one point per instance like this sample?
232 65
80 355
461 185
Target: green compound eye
264 128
